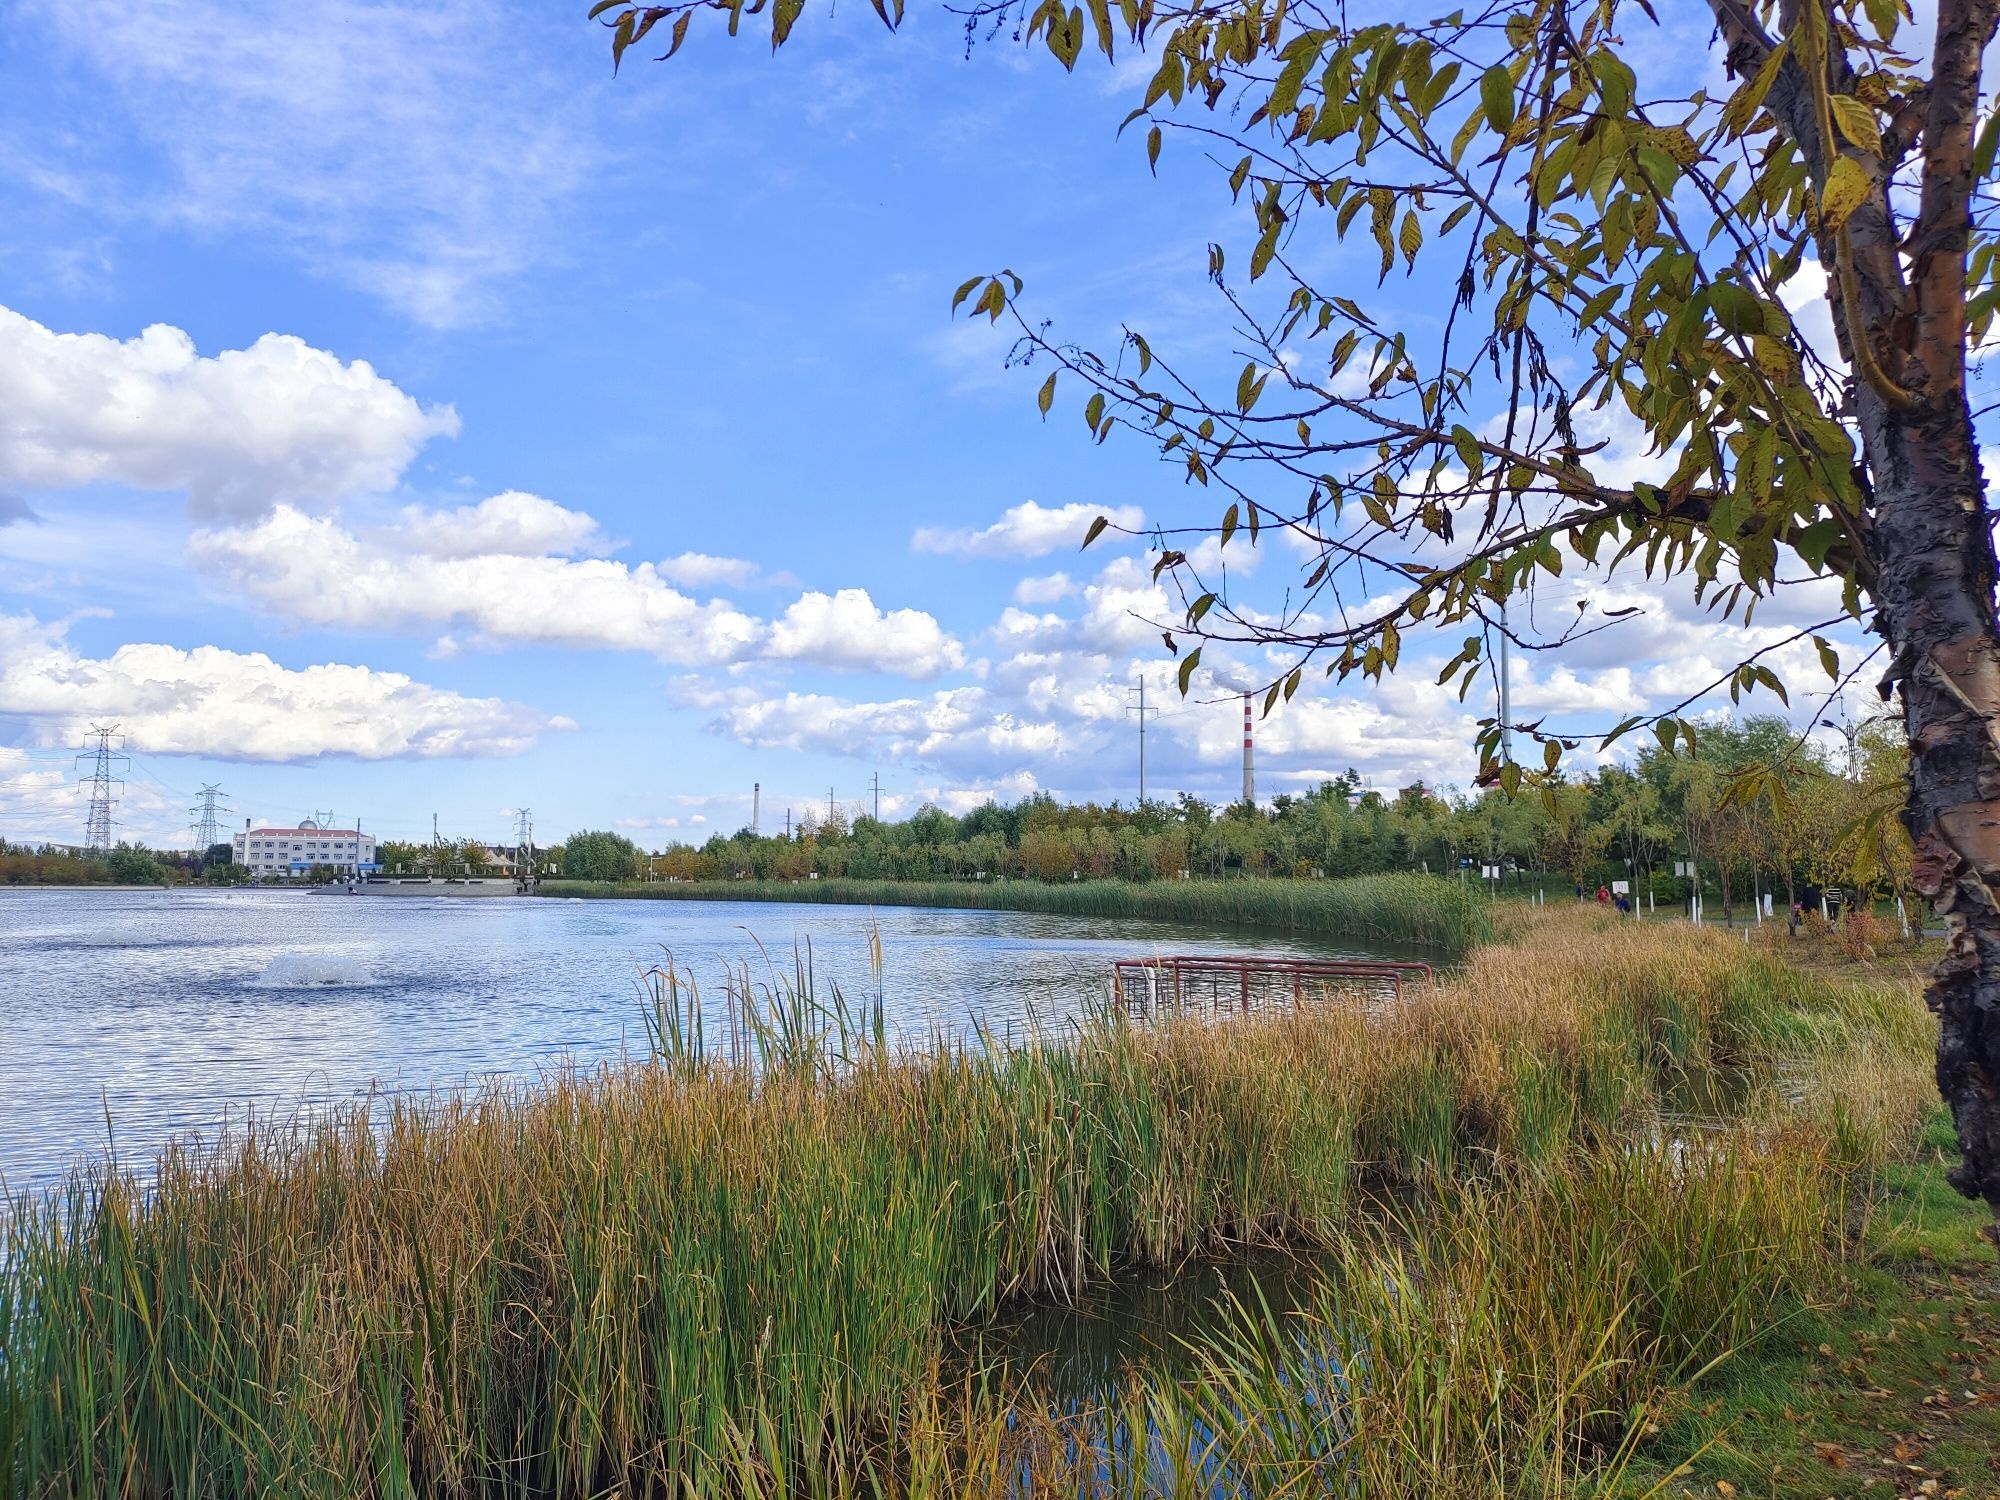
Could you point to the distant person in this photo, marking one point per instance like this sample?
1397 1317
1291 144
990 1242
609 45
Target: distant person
1624 905
1579 891
1604 895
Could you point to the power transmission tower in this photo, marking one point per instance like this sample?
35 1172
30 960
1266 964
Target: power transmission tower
207 831
878 796
1143 713
104 787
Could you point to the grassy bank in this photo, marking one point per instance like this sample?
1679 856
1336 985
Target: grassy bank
1422 911
1892 1386
680 1277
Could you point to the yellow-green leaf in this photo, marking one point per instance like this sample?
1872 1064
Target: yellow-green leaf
1410 237
1857 122
1846 190
1496 95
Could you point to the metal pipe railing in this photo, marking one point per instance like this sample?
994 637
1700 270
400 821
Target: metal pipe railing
1184 974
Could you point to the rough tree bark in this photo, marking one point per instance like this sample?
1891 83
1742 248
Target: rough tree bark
1934 594
1929 565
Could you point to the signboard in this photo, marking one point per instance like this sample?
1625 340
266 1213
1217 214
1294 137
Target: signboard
1621 887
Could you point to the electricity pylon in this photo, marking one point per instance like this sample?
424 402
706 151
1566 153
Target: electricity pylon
104 787
207 831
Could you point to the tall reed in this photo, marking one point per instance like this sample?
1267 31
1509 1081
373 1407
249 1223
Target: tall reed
1421 911
704 1276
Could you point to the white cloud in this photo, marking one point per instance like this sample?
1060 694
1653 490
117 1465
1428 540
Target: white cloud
316 570
513 524
963 731
1026 530
420 153
905 728
1049 589
1804 297
1015 787
698 570
245 706
846 629
25 791
238 431
313 569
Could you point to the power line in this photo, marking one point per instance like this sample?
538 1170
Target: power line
104 787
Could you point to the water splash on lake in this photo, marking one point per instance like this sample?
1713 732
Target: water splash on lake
298 971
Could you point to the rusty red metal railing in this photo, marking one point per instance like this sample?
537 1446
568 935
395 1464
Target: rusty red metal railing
1246 982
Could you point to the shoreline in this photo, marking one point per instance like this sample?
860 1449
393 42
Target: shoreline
1417 911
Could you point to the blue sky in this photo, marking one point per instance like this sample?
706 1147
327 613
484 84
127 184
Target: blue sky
508 434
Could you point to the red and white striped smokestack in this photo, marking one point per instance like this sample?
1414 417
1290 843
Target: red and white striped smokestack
1249 758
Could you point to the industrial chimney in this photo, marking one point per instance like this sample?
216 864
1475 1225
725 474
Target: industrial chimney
1249 759
757 808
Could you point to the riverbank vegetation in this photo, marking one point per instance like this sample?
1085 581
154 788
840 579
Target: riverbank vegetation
128 864
1600 1170
1805 823
1423 911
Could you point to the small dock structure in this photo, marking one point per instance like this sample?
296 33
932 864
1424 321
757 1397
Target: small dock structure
1247 984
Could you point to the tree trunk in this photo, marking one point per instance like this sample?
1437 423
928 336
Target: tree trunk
1928 566
1932 554
1935 597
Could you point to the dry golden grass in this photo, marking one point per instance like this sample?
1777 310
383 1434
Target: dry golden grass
691 1278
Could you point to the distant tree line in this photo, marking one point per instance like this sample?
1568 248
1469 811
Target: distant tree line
1752 807
128 864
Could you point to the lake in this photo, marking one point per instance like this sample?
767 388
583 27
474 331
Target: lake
172 1011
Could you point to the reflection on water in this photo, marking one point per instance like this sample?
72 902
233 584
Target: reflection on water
1217 1380
166 1009
1079 1354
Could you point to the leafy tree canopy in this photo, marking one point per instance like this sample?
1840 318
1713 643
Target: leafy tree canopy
600 856
1621 243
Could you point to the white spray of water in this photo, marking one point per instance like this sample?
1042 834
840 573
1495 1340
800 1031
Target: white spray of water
113 937
296 971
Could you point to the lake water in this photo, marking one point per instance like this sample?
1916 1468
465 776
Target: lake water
170 1011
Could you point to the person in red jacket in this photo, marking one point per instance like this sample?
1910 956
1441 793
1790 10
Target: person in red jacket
1603 895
